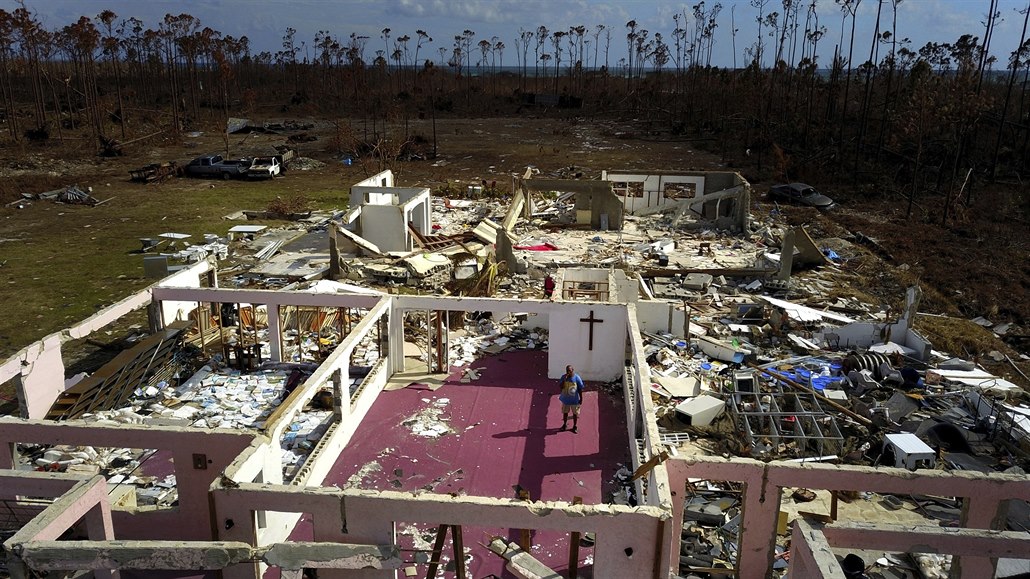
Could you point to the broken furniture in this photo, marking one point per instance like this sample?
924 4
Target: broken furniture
155 172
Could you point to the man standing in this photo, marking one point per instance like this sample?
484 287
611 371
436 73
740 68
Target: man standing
570 396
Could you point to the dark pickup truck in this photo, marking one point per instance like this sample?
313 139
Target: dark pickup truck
216 166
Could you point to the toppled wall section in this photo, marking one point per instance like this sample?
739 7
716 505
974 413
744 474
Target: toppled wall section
596 203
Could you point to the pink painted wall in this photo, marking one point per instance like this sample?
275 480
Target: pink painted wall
42 376
191 519
370 518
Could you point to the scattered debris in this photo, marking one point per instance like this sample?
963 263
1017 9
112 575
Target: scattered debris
156 172
71 195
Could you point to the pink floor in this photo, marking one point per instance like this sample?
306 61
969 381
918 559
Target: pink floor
504 432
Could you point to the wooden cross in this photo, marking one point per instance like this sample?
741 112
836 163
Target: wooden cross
591 320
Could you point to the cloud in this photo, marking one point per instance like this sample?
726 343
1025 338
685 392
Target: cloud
413 8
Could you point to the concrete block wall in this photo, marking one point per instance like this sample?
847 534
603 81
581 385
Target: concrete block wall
626 536
985 497
972 549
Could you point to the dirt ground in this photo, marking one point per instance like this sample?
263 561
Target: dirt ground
60 263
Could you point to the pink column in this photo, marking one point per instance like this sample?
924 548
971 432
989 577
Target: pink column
759 516
99 527
981 511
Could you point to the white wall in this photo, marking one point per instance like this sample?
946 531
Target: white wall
627 288
384 226
866 334
418 212
386 211
381 198
654 316
190 277
569 338
586 274
654 187
377 180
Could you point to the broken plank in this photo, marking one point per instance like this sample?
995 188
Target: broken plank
520 563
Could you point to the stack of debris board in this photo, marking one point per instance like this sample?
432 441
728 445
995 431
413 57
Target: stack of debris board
113 385
221 398
303 434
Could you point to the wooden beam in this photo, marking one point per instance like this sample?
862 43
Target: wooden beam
574 547
459 552
648 466
434 557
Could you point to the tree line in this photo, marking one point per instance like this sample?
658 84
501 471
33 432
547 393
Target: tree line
927 121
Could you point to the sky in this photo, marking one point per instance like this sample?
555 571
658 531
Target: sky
265 21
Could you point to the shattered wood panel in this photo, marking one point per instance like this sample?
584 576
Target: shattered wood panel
439 242
113 384
314 320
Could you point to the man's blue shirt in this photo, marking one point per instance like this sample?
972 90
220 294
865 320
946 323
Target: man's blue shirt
571 389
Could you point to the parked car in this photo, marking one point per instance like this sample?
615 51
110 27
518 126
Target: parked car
800 194
264 168
216 166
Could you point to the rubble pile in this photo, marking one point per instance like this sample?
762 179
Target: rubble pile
429 422
624 493
121 466
221 398
486 337
214 397
711 522
306 164
519 286
772 355
451 216
71 194
764 394
213 245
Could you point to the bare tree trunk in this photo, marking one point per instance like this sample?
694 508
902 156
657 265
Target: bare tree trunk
890 79
7 89
852 9
118 87
1008 93
869 81
57 107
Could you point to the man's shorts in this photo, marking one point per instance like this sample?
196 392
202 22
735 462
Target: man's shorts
572 409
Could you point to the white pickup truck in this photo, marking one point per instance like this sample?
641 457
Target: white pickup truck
264 168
